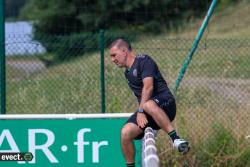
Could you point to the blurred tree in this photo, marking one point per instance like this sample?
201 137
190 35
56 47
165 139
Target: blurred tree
12 8
71 16
59 24
65 20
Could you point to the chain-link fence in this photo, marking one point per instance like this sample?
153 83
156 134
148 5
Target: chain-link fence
57 74
215 89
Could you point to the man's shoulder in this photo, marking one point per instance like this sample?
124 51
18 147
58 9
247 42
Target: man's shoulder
143 57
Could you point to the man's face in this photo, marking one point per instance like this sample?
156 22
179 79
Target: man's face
118 56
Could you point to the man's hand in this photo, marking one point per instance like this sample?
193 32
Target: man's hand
141 120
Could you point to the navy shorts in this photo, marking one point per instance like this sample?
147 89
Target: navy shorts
166 103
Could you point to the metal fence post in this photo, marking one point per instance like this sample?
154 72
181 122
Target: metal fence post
194 46
102 70
2 59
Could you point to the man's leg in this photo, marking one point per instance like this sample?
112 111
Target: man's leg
162 120
128 133
158 115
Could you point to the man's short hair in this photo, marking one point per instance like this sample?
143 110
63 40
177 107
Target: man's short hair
120 42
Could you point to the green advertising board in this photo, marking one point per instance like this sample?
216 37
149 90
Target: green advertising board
65 141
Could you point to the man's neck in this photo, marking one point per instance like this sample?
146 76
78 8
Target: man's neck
130 60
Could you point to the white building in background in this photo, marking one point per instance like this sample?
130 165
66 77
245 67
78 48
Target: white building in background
19 39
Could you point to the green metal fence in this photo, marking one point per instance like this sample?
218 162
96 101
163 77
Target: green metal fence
216 87
57 74
75 85
2 60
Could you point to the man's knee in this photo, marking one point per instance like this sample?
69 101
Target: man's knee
126 133
149 107
130 131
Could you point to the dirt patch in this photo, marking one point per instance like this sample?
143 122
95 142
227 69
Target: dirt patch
237 89
27 67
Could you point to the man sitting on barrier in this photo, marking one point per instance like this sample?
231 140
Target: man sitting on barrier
157 106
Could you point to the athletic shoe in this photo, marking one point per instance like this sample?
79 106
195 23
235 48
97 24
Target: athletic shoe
181 145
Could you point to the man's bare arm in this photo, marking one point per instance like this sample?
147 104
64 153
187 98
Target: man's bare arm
148 86
147 90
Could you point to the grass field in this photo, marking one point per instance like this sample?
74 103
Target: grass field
215 89
232 22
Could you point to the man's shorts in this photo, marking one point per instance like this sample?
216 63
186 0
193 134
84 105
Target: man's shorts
163 101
